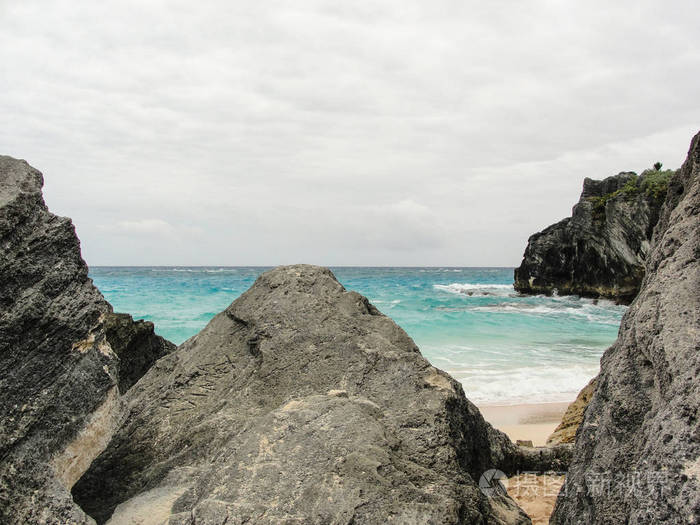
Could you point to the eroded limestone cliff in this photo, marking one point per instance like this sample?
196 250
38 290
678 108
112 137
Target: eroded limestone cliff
60 375
600 250
637 453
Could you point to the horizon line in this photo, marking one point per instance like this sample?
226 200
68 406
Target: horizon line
276 265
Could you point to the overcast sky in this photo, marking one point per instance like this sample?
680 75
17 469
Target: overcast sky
339 133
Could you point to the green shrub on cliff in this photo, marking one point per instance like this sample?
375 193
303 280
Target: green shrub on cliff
652 182
655 182
630 189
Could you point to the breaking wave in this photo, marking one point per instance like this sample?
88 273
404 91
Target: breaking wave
476 289
539 384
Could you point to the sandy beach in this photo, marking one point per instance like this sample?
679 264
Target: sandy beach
536 494
534 422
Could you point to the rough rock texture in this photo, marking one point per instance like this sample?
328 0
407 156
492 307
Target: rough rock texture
571 420
59 400
554 458
599 251
300 403
56 369
137 346
637 453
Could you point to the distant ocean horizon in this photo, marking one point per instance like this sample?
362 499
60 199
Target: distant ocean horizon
504 348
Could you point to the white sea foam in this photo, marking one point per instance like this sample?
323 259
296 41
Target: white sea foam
387 305
196 270
593 313
476 289
524 385
597 311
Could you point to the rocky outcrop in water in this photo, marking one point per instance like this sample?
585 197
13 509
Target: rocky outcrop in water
571 420
600 250
300 403
637 453
59 373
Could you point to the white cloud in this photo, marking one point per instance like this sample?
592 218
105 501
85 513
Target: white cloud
143 227
394 132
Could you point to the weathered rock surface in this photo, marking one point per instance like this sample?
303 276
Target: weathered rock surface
599 251
637 453
570 421
59 376
300 403
137 346
554 458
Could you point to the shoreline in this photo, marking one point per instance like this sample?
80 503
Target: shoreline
526 421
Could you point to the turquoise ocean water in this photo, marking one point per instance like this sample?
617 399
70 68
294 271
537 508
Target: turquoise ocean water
504 348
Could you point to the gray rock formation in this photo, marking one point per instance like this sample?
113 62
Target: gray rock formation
58 373
300 403
599 251
551 458
137 346
637 453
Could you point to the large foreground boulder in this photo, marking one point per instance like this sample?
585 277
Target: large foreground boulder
300 403
59 374
637 452
600 250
